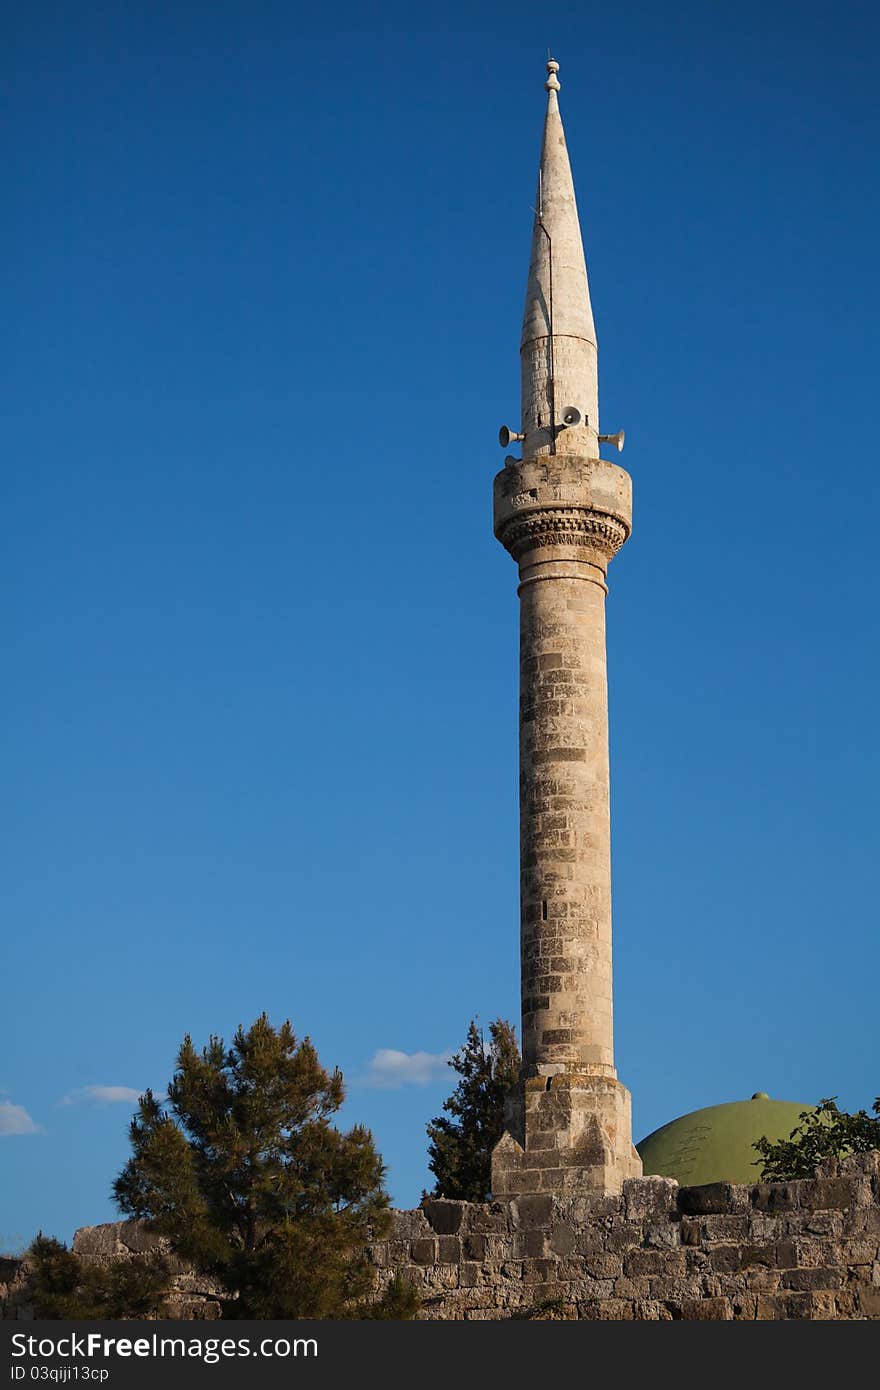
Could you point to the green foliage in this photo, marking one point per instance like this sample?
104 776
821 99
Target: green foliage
825 1132
460 1150
250 1180
65 1287
55 1277
400 1301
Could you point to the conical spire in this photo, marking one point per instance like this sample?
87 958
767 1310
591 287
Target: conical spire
558 348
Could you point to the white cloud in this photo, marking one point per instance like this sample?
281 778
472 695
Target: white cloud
14 1119
103 1095
390 1068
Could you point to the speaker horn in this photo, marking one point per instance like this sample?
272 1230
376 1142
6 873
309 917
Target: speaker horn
571 415
615 439
508 436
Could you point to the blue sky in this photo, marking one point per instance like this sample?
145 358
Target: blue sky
263 275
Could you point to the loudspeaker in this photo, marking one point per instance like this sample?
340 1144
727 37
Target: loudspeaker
508 436
615 439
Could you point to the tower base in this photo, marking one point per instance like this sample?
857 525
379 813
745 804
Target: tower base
568 1134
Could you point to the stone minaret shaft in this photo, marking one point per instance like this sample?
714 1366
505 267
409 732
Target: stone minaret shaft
562 512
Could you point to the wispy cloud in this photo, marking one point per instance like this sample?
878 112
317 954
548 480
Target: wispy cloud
390 1068
14 1119
102 1095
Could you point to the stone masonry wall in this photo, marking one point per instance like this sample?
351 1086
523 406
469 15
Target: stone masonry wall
808 1249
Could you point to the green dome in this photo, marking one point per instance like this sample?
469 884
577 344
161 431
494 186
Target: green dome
715 1144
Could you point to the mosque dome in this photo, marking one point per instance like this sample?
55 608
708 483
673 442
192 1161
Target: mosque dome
715 1144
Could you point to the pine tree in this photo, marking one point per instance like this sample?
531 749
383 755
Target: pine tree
823 1133
63 1286
400 1302
460 1151
243 1170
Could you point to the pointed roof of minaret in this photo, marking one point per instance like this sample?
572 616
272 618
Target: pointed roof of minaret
556 225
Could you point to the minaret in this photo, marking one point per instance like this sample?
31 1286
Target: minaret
562 512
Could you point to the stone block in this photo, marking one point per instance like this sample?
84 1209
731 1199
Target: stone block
764 1228
653 1262
474 1246
441 1277
775 1196
530 1211
449 1250
725 1259
549 1179
638 1288
469 1274
487 1218
690 1231
590 1240
563 1239
744 1306
868 1302
622 1237
591 1210
852 1251
783 1306
652 1200
392 1252
709 1199
443 1216
705 1310
860 1221
676 1290
92 1241
580 1287
724 1228
651 1310
823 1306
529 1245
539 1271
838 1194
666 1235
615 1310
824 1223
804 1280
424 1251
811 1252
846 1305
762 1279
497 1248
765 1255
603 1265
408 1225
135 1237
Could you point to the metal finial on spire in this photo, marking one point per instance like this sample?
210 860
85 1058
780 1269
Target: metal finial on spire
552 83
